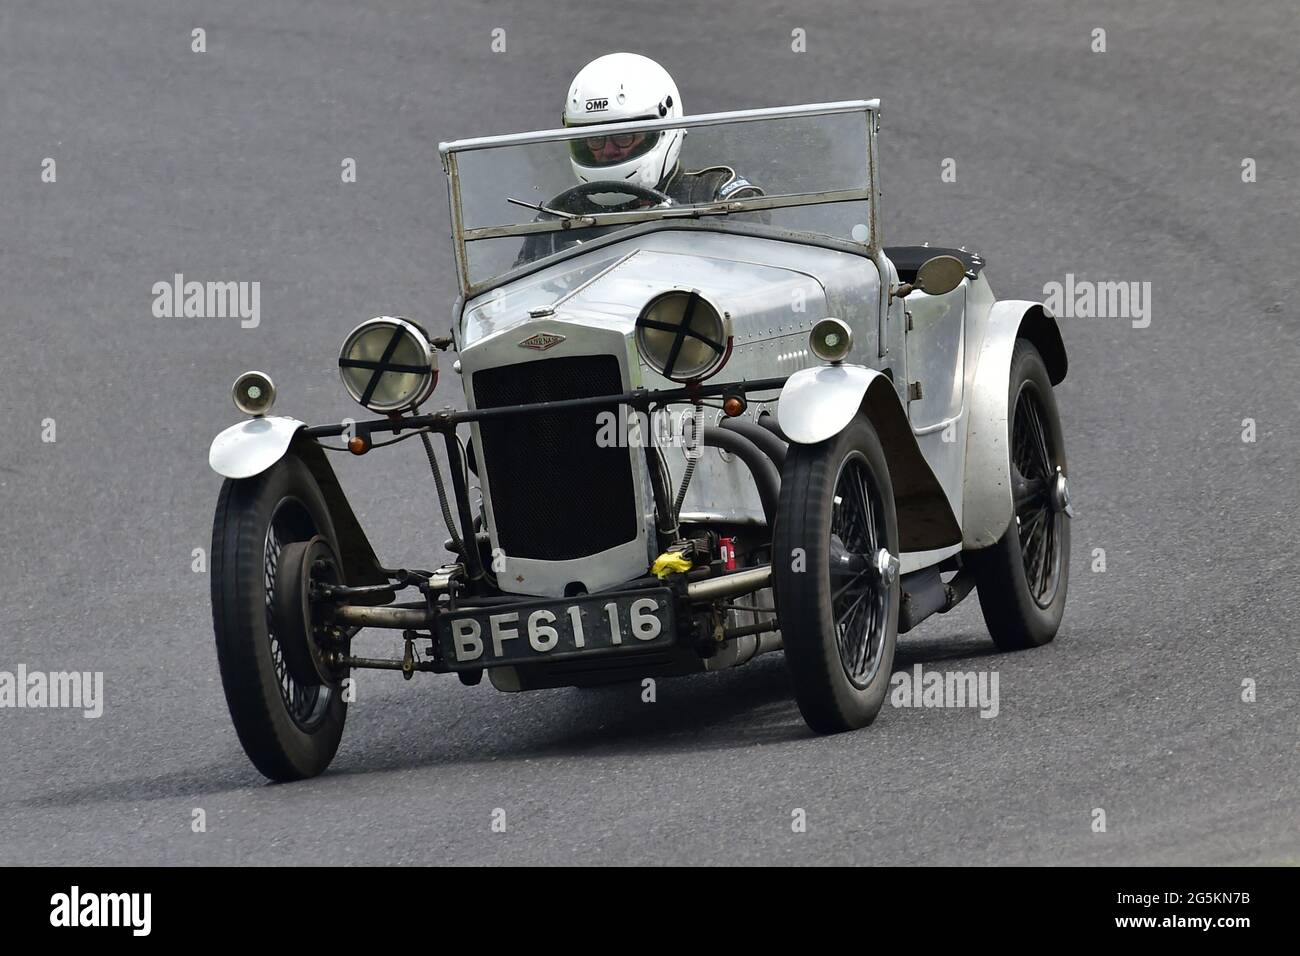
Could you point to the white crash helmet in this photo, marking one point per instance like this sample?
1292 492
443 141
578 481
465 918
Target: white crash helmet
617 88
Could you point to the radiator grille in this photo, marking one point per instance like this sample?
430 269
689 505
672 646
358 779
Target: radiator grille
556 495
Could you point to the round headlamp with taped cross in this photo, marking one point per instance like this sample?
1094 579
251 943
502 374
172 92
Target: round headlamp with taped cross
388 364
683 336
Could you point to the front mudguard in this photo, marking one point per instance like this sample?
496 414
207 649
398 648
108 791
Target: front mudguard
818 403
987 505
249 448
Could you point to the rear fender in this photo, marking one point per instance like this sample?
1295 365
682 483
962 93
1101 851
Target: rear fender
986 491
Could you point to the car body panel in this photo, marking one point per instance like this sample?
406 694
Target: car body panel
936 357
938 332
771 287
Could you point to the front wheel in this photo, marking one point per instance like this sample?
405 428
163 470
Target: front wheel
271 537
1022 579
835 577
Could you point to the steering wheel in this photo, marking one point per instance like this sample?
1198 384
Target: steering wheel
577 199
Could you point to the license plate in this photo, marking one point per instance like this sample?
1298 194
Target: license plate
556 630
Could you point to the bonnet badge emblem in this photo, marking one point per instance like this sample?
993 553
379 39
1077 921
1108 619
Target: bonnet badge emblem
541 341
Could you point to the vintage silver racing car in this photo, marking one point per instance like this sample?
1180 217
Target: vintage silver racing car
693 433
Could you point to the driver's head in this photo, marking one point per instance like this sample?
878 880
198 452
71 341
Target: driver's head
618 88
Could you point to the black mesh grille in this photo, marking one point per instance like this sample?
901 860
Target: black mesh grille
556 494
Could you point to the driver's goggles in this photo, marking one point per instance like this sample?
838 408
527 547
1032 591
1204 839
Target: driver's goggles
610 150
621 140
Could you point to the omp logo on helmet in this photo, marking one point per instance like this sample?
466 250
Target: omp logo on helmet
596 106
541 341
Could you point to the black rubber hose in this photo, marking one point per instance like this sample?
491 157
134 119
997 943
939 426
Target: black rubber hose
442 492
658 485
766 478
769 422
473 560
765 439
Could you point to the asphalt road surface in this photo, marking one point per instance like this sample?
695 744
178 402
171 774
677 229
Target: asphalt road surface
1120 165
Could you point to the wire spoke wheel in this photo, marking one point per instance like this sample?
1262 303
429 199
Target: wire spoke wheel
835 577
1038 521
1023 578
860 603
306 703
263 533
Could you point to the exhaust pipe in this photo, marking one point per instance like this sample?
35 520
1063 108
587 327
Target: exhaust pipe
399 618
729 585
766 440
767 480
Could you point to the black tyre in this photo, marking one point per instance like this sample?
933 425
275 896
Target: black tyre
835 577
1022 580
289 727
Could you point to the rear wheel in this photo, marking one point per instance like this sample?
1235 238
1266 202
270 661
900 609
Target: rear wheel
271 537
1022 579
835 577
